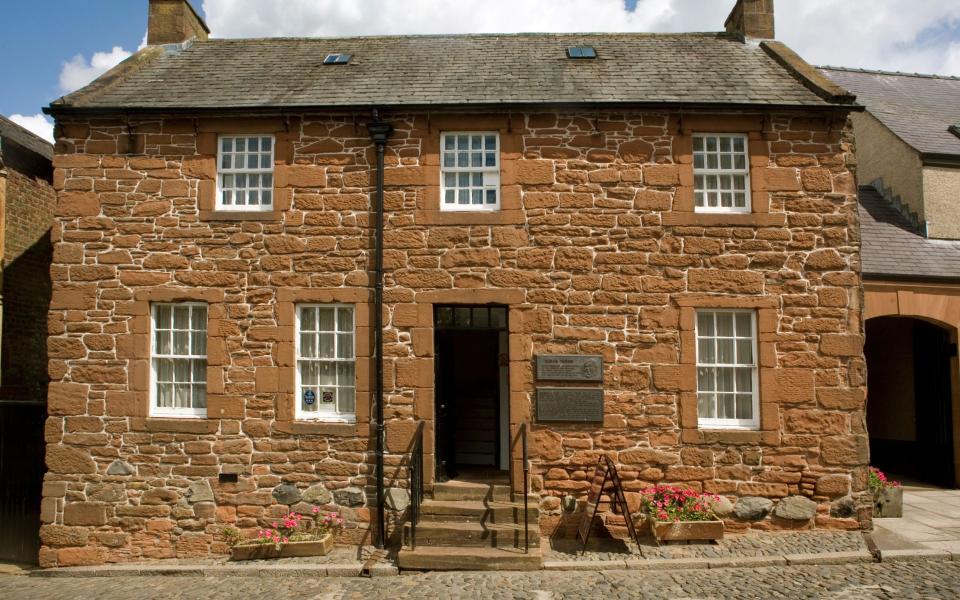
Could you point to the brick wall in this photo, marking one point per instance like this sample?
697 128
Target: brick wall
30 203
597 250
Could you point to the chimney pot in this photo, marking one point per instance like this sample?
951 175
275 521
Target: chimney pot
752 19
174 22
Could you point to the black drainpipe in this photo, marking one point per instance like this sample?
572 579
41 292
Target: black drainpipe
379 132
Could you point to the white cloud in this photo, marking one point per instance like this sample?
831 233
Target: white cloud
77 72
879 34
38 124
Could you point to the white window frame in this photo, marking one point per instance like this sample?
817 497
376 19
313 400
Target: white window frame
167 411
490 174
234 171
720 172
726 423
335 417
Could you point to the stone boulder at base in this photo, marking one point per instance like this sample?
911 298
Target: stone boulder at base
796 508
844 508
752 508
722 508
350 496
317 494
286 493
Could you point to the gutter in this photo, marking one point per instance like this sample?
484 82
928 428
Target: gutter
379 133
57 110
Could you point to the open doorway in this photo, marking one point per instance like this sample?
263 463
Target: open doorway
472 392
910 400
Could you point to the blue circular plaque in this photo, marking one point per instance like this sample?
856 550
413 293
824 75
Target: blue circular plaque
309 397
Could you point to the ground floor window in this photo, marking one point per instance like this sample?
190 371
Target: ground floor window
727 369
326 362
179 360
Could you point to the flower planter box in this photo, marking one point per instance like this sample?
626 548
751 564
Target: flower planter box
888 503
686 530
263 551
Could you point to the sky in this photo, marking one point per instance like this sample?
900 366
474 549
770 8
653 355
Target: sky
49 48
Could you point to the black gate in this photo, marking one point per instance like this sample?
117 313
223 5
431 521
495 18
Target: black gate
21 478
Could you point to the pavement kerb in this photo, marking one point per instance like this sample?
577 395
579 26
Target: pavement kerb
353 569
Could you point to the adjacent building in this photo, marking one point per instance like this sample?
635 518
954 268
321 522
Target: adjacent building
285 266
27 202
908 146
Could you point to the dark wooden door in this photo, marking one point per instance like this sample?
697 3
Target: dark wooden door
21 479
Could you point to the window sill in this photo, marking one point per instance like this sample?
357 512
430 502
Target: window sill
705 219
236 215
315 427
175 425
735 437
439 217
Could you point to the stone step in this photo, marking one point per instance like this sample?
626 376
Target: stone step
477 511
470 535
468 490
430 558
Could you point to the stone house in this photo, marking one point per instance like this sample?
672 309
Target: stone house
668 220
27 201
908 145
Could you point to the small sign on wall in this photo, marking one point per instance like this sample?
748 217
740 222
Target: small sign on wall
571 405
309 397
569 367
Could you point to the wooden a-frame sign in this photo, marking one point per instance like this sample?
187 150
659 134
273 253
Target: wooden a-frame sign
605 480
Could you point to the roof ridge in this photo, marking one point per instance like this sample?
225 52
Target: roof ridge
712 34
882 72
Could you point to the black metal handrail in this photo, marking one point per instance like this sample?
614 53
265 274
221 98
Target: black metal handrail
416 482
526 478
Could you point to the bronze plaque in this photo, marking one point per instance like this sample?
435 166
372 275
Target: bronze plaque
569 367
572 405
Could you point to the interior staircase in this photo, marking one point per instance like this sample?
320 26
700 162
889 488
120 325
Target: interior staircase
472 526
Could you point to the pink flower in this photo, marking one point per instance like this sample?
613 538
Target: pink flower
316 509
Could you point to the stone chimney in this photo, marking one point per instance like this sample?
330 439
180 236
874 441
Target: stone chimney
751 19
174 22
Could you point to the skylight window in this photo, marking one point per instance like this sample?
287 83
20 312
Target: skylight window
581 52
337 59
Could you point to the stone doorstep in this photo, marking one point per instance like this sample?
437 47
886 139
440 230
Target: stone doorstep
676 564
916 555
351 569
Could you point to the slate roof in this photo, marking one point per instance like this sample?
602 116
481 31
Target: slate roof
430 70
919 109
17 134
892 248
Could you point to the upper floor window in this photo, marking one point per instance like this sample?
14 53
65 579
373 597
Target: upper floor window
470 171
727 369
179 360
245 173
721 173
326 362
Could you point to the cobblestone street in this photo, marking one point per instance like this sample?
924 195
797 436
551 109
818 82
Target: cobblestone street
901 580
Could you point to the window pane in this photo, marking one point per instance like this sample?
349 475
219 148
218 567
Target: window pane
463 159
744 325
464 180
226 144
226 162
164 369
477 196
704 324
164 395
491 142
724 351
698 144
345 374
326 319
181 397
725 324
738 144
478 179
445 316
449 159
346 402
253 144
327 374
345 319
198 343
491 159
744 406
476 159
462 316
266 197
345 345
705 379
199 371
450 179
450 197
705 406
462 142
199 396
491 196
264 161
308 345
744 380
308 318
724 379
449 142
326 345
163 342
498 317
706 352
308 372
182 370
481 317
698 161
744 352
241 144
726 406
181 342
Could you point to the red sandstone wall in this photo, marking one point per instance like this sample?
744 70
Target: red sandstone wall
596 250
